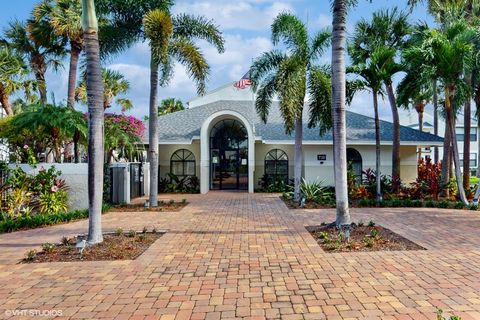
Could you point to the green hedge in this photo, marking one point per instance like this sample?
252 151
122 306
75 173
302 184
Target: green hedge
41 220
407 203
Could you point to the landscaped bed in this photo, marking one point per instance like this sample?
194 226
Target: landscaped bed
368 237
115 246
163 206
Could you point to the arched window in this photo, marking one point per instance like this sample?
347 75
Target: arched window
354 159
182 163
276 165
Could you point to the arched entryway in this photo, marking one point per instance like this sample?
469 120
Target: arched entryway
227 148
354 159
228 156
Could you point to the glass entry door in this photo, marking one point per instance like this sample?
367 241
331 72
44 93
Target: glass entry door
228 156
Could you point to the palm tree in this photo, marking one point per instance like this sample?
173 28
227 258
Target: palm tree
370 72
64 16
172 39
291 75
170 105
95 121
339 26
446 53
39 45
387 32
114 84
13 77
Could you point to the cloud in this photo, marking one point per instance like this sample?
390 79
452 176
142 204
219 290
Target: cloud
324 21
244 15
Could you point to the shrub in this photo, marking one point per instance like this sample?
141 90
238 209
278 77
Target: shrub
430 204
315 192
443 204
48 247
458 205
53 202
31 255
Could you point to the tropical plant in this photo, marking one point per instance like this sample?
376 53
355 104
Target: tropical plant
370 72
171 38
170 105
39 45
13 77
339 26
445 54
385 35
315 191
47 127
53 202
114 84
291 75
95 121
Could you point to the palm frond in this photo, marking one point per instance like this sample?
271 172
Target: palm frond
189 55
320 102
292 31
198 27
264 65
158 27
264 98
320 42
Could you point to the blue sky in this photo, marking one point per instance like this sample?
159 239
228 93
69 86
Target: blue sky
246 27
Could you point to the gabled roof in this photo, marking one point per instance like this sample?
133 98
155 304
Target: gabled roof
183 126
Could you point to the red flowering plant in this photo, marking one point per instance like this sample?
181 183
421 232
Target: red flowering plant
122 133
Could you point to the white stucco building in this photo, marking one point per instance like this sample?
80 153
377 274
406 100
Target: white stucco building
221 139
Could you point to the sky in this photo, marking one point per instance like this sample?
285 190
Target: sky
246 28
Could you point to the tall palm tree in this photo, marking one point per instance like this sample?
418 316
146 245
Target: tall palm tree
13 77
64 16
171 39
291 75
170 105
339 26
370 72
39 45
114 84
446 53
387 31
95 121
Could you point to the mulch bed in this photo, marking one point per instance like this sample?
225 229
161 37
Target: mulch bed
308 205
114 247
162 207
362 238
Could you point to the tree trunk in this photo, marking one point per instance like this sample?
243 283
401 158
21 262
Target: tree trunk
153 132
39 68
5 102
75 50
420 107
338 111
450 115
446 158
396 137
477 105
76 147
467 123
435 119
95 122
298 159
377 147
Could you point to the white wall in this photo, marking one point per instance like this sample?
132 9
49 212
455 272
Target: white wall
76 178
166 151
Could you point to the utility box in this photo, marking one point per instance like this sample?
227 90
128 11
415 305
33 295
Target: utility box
120 183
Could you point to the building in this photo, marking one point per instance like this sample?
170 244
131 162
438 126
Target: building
220 139
411 120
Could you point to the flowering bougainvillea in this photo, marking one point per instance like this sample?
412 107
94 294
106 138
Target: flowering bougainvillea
129 124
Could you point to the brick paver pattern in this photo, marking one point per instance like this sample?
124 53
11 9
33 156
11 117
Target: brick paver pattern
242 256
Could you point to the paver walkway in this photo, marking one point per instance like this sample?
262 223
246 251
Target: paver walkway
235 255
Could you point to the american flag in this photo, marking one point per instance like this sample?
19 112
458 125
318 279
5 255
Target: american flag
244 82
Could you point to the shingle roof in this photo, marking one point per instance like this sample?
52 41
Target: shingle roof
184 125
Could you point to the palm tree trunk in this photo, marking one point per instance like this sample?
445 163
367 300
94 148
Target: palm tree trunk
298 159
467 123
420 108
39 68
453 137
377 147
153 132
435 119
446 158
95 122
5 102
75 50
338 111
76 147
396 137
477 105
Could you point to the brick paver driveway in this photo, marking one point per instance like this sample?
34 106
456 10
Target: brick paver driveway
234 255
